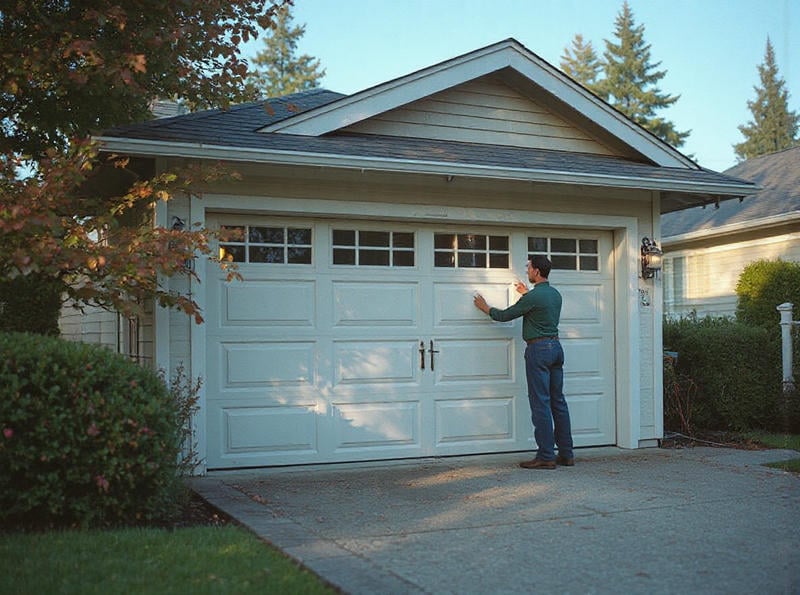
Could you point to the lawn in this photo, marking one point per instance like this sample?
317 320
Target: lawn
226 559
790 441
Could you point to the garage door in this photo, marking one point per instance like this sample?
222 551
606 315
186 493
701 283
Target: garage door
351 342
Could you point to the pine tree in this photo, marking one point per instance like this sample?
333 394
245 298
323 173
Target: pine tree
774 126
279 70
581 63
630 82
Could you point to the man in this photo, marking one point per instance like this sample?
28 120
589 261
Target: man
544 361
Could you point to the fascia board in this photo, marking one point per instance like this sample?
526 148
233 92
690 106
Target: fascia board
782 220
278 157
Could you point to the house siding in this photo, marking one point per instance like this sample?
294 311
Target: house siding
702 280
483 111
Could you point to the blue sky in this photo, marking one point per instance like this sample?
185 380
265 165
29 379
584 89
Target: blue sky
710 48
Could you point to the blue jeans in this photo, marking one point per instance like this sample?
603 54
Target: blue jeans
544 368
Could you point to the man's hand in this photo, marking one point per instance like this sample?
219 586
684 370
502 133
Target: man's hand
521 287
480 303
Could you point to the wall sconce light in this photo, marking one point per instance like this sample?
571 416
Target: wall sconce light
178 224
651 258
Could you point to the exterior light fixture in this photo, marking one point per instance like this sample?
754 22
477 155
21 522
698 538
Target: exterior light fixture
651 258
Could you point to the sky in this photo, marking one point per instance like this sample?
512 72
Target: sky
711 49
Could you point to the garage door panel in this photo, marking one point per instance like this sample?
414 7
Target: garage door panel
582 304
589 417
377 426
267 364
366 362
268 429
375 304
584 358
474 420
268 303
454 307
474 360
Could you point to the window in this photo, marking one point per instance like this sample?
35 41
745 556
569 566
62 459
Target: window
474 251
265 244
566 254
356 247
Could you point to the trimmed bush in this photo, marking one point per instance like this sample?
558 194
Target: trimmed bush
732 371
89 438
762 287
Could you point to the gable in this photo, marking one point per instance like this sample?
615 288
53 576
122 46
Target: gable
528 72
486 110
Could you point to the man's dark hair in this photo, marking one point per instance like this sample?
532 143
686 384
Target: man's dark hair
541 262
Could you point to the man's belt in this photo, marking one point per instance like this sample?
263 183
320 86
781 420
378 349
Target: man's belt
537 339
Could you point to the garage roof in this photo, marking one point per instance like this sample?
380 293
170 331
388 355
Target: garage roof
306 129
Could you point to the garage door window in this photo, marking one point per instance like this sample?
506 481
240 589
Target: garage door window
356 247
266 244
566 254
474 251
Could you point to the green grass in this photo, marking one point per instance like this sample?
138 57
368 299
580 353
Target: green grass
195 560
790 441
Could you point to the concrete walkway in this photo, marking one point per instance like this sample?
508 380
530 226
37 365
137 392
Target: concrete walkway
695 520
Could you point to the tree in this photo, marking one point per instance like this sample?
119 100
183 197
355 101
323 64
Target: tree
69 69
630 83
279 70
774 127
581 63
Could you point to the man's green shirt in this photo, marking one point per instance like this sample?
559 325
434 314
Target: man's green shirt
540 309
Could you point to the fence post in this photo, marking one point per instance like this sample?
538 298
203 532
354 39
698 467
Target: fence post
786 345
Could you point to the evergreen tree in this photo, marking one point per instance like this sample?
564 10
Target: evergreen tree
279 70
630 83
581 63
774 126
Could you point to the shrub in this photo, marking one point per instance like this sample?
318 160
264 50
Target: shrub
762 287
732 369
88 437
30 303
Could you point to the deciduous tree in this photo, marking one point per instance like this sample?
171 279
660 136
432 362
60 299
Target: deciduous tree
71 68
774 126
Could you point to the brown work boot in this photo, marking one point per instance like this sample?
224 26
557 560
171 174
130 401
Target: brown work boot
538 464
564 461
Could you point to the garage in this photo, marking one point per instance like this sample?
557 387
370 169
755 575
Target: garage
354 341
365 223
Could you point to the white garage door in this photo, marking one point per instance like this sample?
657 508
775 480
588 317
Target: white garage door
359 341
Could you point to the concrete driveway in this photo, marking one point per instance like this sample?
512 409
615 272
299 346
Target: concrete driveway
695 520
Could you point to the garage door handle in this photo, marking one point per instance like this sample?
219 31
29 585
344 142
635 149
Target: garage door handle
432 351
421 355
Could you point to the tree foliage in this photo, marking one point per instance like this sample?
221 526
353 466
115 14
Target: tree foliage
762 287
582 63
773 127
111 254
70 69
279 70
631 80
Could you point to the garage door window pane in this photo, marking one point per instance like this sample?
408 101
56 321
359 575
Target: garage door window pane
266 244
473 251
566 254
356 247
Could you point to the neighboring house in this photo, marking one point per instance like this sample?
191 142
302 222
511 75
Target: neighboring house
370 220
706 249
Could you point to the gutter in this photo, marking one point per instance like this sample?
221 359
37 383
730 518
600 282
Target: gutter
282 157
733 228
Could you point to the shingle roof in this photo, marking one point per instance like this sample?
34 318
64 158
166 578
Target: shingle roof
779 176
238 127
